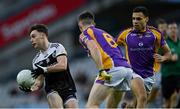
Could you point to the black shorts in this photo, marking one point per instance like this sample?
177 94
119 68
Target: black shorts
62 83
65 92
170 84
66 95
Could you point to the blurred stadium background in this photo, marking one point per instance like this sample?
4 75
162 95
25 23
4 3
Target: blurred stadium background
16 52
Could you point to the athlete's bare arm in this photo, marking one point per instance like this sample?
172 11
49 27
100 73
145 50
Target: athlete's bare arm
167 54
39 82
61 64
95 53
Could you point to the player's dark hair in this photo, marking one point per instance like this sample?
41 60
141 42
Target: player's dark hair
40 28
160 21
142 9
172 22
87 17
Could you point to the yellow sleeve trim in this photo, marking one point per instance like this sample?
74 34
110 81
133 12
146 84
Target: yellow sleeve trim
158 37
122 37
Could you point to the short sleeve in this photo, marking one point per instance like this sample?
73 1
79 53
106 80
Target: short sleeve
159 38
60 50
121 38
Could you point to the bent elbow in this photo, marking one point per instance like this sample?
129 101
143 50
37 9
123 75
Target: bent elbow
64 66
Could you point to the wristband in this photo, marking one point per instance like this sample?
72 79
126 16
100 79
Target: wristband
101 70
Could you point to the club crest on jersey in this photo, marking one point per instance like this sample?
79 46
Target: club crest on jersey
140 44
54 54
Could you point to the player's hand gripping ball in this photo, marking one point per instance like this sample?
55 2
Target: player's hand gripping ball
25 80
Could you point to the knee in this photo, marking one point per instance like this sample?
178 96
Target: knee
88 106
53 97
92 105
54 100
142 98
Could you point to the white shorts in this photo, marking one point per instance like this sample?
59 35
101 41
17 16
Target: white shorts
157 77
148 82
121 77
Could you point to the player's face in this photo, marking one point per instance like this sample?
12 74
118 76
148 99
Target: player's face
139 21
162 27
37 39
173 29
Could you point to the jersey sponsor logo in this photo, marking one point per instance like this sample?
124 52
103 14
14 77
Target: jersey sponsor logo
141 49
148 35
133 34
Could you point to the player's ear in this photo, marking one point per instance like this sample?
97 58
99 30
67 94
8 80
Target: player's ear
43 35
147 19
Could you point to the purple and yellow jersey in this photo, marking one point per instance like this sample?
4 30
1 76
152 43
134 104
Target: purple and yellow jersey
140 48
111 54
